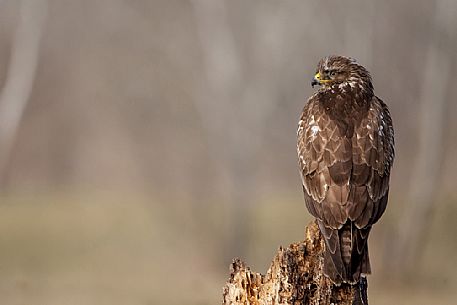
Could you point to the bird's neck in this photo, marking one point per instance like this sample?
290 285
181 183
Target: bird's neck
351 91
342 100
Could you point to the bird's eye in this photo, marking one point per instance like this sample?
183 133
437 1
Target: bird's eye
332 73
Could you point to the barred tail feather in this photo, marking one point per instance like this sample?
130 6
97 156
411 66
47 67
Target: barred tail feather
346 254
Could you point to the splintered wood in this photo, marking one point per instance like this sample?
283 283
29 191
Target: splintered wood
294 277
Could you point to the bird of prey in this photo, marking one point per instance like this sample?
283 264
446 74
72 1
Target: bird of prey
345 150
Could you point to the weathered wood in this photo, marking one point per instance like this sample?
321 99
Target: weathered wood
294 277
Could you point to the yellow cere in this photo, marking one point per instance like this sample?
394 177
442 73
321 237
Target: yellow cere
318 78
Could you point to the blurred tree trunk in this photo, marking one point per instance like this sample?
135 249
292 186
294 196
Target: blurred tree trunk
359 40
228 104
20 75
215 99
404 256
294 277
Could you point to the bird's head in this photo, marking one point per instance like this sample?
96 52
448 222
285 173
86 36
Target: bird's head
340 70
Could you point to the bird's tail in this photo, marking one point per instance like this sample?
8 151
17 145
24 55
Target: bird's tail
346 254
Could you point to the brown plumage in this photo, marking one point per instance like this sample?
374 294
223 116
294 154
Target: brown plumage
346 150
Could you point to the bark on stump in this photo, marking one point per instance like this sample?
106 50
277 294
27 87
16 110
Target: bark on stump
294 277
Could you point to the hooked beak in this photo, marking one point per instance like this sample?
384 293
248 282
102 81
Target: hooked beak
316 80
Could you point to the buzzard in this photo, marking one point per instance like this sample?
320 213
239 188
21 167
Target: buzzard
345 150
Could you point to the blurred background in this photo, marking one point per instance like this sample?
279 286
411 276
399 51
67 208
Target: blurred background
144 144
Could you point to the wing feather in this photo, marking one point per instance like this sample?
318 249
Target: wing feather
325 158
373 153
351 176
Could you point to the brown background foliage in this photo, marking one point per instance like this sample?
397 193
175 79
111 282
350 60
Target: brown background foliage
158 142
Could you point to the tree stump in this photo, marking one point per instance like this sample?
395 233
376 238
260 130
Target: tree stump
294 277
